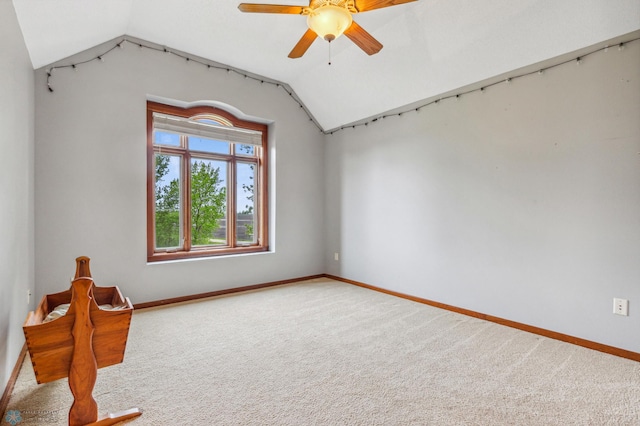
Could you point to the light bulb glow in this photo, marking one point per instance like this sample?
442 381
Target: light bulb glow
329 22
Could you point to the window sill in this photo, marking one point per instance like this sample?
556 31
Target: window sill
205 254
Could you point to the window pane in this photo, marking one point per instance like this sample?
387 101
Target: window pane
208 145
248 150
212 121
208 202
246 205
165 138
167 195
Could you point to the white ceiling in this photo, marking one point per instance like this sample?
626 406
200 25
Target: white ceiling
430 46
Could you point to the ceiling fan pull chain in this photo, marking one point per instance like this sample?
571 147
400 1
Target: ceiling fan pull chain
329 53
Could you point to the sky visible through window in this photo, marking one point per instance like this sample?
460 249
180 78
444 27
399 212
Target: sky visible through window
245 174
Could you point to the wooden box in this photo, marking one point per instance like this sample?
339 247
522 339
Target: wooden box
51 344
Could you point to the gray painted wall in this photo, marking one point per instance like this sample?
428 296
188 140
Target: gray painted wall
90 184
522 202
16 188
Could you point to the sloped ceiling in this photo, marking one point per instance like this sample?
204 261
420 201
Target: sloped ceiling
430 46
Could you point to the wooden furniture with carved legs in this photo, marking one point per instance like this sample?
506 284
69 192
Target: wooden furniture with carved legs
80 342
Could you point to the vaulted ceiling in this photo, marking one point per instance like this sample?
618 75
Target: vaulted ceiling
430 46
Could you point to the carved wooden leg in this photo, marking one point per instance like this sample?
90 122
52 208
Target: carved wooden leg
84 369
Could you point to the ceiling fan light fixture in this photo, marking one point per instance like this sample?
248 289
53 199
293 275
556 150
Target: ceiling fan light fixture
329 21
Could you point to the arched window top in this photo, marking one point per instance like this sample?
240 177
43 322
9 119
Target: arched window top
213 119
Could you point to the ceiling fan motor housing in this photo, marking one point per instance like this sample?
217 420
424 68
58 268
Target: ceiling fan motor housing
329 20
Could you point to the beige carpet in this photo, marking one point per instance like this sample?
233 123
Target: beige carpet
323 352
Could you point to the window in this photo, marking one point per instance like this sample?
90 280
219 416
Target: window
206 183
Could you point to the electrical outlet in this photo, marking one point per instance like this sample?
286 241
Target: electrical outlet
336 256
621 306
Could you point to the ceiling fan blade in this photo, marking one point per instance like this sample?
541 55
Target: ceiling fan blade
364 5
303 44
269 8
363 39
